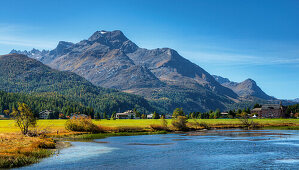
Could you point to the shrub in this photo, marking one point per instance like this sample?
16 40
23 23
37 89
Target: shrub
82 124
156 127
193 125
128 129
46 143
162 127
246 123
178 112
180 123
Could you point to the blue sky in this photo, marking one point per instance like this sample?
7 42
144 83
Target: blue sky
237 39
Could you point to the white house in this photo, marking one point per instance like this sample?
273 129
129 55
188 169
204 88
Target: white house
168 116
126 115
45 114
150 116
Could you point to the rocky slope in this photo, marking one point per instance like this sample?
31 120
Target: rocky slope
110 59
19 73
245 89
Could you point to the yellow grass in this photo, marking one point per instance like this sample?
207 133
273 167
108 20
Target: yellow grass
7 126
18 150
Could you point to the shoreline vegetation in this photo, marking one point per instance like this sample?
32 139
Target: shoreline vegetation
18 150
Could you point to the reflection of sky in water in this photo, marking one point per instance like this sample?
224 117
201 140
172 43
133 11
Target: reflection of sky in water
73 154
221 149
79 151
290 161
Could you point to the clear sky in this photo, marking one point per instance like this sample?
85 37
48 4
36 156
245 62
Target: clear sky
237 39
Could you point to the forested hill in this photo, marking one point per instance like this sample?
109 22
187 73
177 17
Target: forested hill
39 102
19 73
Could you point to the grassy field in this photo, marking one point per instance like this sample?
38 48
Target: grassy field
7 126
19 150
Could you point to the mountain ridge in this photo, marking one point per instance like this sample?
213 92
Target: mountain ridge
246 88
19 73
109 59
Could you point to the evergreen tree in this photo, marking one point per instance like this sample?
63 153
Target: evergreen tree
113 116
178 112
143 116
257 105
156 115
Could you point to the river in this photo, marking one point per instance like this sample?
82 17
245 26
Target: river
213 149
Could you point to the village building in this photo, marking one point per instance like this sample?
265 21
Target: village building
150 116
130 114
168 116
2 115
269 111
224 115
45 114
74 116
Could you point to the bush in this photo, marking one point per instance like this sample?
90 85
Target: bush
204 125
246 123
162 127
46 143
156 127
82 124
193 125
128 129
178 112
180 123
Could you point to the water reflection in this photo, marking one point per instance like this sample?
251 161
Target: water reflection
218 149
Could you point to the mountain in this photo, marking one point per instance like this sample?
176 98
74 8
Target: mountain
19 73
34 53
296 100
245 89
109 59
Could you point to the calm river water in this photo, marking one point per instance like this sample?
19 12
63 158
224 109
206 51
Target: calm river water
215 149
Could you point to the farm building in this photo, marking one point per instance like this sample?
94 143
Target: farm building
45 114
269 111
168 116
74 116
150 116
130 114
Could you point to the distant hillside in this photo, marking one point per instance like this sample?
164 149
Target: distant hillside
245 89
19 73
43 101
296 100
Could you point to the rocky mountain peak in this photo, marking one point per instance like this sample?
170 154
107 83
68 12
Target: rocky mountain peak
249 83
109 59
114 40
112 35
221 80
34 53
249 80
246 88
61 48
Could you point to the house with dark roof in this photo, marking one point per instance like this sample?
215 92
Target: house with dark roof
130 114
45 114
269 111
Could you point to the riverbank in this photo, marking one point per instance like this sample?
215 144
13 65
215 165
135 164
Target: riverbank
254 149
18 150
57 125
